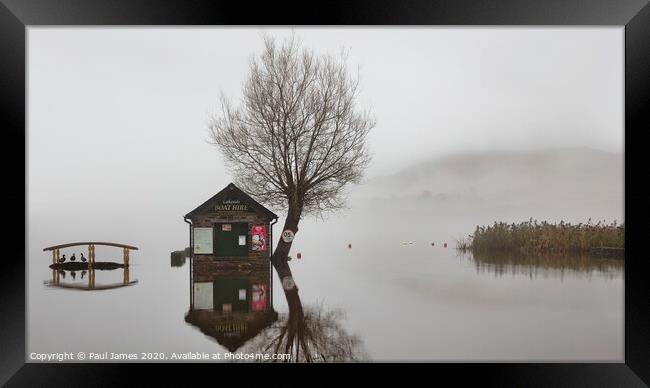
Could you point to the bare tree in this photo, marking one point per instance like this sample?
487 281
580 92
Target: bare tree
297 138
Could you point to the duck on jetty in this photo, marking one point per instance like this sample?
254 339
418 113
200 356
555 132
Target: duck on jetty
62 259
83 259
73 258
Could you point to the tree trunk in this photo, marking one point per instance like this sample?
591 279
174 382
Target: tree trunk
281 253
295 325
281 265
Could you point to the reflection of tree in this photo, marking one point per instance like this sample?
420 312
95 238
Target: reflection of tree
310 334
531 265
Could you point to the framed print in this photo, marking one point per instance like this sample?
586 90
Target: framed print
465 178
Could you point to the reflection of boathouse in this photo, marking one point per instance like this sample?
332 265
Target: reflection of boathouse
230 267
232 308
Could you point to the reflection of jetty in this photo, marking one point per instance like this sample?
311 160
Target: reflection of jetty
91 253
56 281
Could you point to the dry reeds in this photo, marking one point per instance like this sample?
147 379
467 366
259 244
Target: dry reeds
533 237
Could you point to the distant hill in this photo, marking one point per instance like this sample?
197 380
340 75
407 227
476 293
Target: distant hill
575 183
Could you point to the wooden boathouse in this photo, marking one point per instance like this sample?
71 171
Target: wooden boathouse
230 249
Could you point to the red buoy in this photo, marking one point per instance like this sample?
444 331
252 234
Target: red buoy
445 245
349 245
298 255
432 244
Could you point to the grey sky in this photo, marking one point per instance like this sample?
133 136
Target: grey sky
123 111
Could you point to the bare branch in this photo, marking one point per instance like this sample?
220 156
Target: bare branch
297 138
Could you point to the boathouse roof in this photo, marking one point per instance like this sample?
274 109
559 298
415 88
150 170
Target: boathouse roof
231 193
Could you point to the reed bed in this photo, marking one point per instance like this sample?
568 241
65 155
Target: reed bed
533 237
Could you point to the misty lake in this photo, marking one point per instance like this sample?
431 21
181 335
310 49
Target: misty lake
403 298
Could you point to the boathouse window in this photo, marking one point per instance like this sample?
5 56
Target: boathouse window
231 239
203 295
203 240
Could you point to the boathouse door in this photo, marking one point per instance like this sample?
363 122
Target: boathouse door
231 239
231 291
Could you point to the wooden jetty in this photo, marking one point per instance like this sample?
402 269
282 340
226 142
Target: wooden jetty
91 252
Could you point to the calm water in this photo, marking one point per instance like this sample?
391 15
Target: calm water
401 301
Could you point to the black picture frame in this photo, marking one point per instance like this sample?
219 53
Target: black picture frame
17 15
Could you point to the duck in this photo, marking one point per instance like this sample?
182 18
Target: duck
83 273
62 259
83 259
73 274
73 258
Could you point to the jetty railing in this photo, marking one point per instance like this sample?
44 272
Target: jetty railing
91 250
